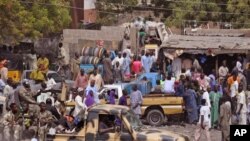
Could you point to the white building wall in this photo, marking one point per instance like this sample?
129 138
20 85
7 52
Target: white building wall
89 4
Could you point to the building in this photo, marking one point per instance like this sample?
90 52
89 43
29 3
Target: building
83 12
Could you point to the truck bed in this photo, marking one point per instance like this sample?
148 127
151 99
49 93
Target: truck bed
162 99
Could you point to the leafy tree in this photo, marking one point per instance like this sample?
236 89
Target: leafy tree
32 19
110 9
241 10
199 10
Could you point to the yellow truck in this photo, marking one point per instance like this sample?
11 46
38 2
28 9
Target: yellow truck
156 108
129 128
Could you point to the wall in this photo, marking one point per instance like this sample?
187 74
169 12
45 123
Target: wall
76 39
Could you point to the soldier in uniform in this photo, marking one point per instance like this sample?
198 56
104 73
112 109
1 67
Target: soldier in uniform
27 97
11 124
44 119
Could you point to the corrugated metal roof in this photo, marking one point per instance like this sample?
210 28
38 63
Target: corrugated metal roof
206 42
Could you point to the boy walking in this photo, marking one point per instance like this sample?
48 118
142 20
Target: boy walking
203 124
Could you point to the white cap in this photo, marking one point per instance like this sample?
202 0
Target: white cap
80 89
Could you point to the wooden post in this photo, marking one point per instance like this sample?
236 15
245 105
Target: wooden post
64 91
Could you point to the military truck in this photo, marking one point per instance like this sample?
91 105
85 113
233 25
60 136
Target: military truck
128 129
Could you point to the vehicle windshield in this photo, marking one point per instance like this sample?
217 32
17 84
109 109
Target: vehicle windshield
133 120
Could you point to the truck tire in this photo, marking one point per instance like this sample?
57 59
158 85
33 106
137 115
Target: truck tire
155 117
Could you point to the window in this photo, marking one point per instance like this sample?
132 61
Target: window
106 123
56 77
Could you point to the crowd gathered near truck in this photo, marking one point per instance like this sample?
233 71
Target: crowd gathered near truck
101 94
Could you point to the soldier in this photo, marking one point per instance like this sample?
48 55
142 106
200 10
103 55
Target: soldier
11 124
44 119
26 96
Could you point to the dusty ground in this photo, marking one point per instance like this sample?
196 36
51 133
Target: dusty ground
189 131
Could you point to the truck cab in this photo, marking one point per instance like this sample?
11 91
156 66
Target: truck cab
117 123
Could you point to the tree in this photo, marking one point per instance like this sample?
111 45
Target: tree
192 10
32 19
241 16
110 9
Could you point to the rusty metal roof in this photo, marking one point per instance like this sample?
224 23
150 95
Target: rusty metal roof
220 44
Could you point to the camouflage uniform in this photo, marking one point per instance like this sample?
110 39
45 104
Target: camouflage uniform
26 96
11 125
43 119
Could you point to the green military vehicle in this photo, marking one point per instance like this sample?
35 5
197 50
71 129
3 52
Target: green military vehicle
123 126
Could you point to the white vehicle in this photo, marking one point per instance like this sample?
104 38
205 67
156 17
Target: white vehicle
58 79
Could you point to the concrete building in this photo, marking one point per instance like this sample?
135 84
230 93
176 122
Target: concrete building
84 11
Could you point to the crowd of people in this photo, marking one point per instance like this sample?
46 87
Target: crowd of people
212 101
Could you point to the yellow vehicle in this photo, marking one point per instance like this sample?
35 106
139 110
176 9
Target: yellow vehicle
156 108
128 129
15 75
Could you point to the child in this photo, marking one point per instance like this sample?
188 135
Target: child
203 124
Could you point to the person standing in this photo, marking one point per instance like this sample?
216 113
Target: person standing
43 64
118 58
75 66
32 60
26 96
205 96
81 80
176 67
10 122
203 124
117 73
126 66
62 56
97 77
137 66
93 88
107 72
204 84
180 90
128 51
214 98
225 119
4 71
44 118
136 101
123 98
2 85
191 105
223 71
146 62
79 104
239 64
241 106
233 85
51 82
90 101
8 91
